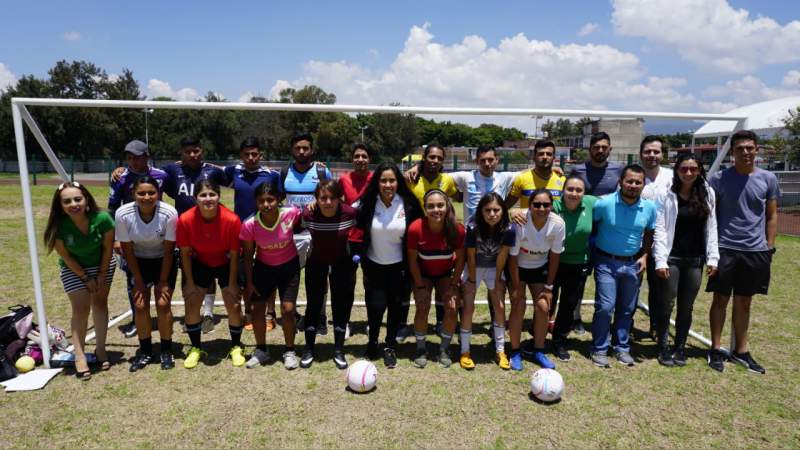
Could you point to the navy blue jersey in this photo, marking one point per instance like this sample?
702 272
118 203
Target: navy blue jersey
122 189
181 179
244 184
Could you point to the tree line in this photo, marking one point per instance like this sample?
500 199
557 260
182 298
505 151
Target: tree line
85 133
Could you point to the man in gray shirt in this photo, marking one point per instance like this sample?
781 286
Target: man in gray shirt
747 220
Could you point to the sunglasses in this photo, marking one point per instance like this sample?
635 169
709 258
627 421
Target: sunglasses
67 184
540 205
689 169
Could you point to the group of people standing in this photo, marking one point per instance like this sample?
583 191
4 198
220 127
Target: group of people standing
402 230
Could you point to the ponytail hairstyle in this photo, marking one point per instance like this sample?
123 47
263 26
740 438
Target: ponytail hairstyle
57 211
698 196
485 231
450 222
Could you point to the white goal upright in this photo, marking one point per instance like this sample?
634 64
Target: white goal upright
20 113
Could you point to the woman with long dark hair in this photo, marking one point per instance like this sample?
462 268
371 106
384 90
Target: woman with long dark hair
83 237
388 207
489 239
435 247
685 239
146 230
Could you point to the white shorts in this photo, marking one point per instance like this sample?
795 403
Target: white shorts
482 274
302 242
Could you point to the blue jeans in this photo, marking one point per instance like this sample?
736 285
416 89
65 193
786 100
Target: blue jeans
616 293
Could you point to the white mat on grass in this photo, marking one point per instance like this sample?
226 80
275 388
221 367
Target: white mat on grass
30 381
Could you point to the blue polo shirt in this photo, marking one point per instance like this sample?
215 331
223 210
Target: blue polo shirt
620 226
244 184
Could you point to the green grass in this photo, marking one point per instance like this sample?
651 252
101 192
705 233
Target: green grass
217 405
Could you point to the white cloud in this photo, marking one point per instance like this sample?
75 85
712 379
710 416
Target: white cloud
588 29
7 78
710 32
276 88
158 88
791 79
72 36
750 89
246 97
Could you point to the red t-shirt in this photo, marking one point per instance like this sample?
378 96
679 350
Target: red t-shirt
210 241
435 257
353 186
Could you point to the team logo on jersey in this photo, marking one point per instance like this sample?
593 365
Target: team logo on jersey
286 226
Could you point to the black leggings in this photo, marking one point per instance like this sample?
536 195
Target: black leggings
342 282
570 282
384 286
685 276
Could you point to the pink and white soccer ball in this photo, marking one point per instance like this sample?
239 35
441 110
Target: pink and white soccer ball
547 385
362 376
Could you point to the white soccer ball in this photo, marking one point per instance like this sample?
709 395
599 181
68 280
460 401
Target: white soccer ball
362 376
547 385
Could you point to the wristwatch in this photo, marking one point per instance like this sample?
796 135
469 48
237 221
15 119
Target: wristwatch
772 250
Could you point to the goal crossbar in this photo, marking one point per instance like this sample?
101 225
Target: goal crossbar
21 114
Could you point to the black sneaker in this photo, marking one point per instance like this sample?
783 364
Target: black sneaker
679 357
560 350
139 362
372 351
128 330
665 358
322 329
389 358
748 362
307 359
167 361
716 360
339 360
577 328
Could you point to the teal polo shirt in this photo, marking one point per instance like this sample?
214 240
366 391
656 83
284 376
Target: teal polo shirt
620 226
578 227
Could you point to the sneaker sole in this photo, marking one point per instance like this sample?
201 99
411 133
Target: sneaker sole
744 364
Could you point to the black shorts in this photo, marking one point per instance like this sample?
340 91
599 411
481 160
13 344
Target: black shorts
741 273
533 276
285 278
150 269
204 276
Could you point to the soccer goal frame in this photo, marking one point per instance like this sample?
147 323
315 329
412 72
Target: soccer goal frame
21 114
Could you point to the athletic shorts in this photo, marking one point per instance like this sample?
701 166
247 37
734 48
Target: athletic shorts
741 273
204 276
302 242
533 276
72 283
482 274
285 278
151 272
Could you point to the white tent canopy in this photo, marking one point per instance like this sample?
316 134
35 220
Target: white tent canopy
765 118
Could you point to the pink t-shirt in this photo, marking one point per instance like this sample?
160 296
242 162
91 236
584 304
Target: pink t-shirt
275 245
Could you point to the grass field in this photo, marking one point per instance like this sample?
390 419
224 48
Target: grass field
217 405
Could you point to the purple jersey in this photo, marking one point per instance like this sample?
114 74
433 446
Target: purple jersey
122 189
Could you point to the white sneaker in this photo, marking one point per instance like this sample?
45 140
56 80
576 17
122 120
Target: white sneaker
290 361
259 358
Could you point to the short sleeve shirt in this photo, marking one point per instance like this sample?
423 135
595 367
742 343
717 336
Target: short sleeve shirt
87 249
444 182
436 258
388 230
579 228
528 181
244 184
353 186
181 180
121 191
275 244
620 227
599 181
475 186
486 250
147 237
533 246
211 242
742 206
300 186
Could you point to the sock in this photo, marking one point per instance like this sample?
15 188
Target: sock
338 338
166 345
146 346
446 338
499 337
194 333
236 335
420 337
262 347
463 338
208 305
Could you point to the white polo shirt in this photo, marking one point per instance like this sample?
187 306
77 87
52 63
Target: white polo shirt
388 229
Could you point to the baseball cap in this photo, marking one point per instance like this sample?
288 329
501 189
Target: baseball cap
137 148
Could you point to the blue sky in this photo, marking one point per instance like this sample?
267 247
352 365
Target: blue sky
669 55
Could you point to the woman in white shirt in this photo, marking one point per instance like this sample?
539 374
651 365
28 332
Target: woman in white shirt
538 247
387 209
146 230
685 239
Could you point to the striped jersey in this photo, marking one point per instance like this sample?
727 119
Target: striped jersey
436 258
329 235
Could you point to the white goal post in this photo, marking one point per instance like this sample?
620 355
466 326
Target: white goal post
20 113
